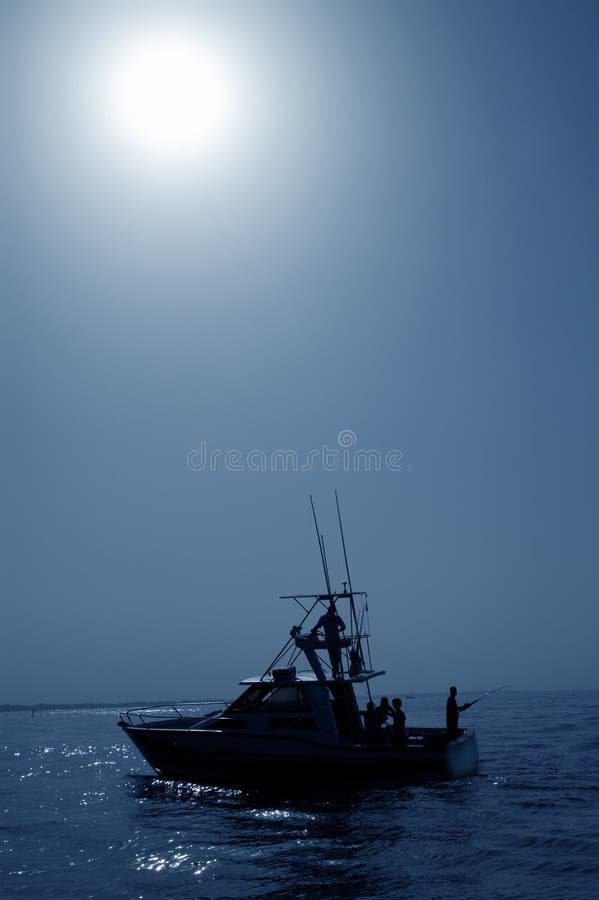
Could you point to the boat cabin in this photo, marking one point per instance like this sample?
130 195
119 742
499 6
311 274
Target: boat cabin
288 702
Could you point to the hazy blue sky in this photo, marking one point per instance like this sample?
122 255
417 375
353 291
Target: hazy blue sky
400 239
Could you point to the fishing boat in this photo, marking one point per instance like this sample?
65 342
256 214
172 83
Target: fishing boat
301 718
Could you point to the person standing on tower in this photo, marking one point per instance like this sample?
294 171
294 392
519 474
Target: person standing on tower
332 623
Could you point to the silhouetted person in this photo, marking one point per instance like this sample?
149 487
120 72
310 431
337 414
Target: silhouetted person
384 710
332 624
372 724
399 735
452 714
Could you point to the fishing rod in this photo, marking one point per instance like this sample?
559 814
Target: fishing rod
486 694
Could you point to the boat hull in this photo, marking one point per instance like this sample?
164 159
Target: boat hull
216 757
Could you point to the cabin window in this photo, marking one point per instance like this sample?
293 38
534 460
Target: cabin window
284 698
267 698
249 699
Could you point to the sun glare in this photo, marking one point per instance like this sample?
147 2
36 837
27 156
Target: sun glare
170 96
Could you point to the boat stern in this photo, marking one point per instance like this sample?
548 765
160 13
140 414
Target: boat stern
462 755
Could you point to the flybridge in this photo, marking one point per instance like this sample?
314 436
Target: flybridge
346 644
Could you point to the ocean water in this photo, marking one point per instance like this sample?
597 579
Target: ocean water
84 817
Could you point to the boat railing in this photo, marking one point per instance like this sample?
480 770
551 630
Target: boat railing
188 714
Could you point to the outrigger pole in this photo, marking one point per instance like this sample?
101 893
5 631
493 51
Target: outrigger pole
326 562
351 593
323 557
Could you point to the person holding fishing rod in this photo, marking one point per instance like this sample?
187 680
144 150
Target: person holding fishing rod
452 714
453 710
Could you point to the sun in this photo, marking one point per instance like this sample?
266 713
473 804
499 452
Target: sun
171 95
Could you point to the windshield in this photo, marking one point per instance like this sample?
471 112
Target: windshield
268 698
